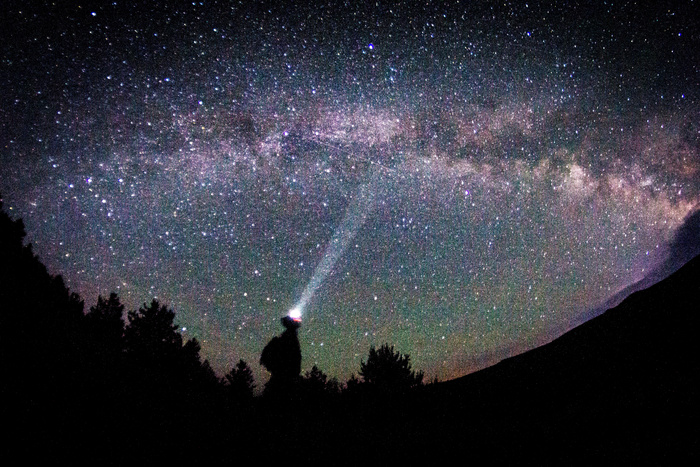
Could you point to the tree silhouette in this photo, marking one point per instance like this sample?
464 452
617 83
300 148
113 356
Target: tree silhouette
108 317
314 381
151 335
353 384
389 370
154 349
156 363
40 319
194 373
104 342
333 386
41 343
105 324
240 381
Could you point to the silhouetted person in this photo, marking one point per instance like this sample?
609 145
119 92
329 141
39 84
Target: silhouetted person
282 358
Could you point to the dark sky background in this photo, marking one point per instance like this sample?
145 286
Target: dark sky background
515 165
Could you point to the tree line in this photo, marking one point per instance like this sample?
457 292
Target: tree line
67 372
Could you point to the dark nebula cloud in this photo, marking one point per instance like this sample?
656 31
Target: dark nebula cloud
526 163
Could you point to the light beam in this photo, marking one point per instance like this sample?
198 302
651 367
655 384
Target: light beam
355 216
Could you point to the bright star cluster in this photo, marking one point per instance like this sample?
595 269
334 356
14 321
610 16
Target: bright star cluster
515 164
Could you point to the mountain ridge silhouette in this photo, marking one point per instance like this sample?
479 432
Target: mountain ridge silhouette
676 288
622 382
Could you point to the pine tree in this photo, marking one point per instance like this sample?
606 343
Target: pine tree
105 324
389 370
240 381
153 347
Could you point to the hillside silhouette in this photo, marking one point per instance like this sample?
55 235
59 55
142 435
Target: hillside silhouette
622 385
118 387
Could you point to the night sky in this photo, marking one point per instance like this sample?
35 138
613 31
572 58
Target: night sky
494 172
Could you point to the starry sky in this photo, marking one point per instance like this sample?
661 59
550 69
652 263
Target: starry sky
505 167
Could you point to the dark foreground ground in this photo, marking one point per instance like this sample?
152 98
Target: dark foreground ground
620 387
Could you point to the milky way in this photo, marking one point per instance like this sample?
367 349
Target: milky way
523 165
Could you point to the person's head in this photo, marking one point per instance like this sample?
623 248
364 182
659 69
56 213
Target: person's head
290 323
